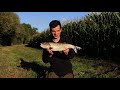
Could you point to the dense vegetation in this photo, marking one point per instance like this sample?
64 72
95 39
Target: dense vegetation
12 31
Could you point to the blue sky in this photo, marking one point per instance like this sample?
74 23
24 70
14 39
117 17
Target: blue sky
41 20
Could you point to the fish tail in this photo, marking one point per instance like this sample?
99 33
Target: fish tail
77 48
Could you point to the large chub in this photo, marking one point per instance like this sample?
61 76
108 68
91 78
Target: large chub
59 46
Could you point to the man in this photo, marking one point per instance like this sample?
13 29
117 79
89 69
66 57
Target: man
61 66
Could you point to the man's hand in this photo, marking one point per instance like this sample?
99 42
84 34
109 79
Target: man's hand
66 51
50 52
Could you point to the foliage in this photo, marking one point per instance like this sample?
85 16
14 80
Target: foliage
9 26
12 32
36 40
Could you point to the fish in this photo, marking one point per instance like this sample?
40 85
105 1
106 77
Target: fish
59 46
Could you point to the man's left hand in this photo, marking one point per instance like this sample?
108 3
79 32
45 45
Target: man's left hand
66 51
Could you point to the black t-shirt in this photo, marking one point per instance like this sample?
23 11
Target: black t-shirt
60 63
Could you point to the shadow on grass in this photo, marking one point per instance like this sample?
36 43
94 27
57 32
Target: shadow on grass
40 70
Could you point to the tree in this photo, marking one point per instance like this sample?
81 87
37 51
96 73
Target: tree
9 27
29 32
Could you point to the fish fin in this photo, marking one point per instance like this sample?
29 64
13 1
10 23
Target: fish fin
77 47
51 48
75 50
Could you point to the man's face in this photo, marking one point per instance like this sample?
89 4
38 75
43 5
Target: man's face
56 31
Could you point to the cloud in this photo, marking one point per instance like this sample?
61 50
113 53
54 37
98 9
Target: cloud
38 21
64 21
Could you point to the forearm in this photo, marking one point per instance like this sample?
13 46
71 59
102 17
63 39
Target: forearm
46 57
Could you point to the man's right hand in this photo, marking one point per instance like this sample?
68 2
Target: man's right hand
50 52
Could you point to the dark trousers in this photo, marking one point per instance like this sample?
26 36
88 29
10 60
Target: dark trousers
53 75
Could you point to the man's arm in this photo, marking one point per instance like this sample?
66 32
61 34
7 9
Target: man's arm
68 53
47 55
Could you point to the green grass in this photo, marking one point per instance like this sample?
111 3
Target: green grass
10 61
33 67
94 68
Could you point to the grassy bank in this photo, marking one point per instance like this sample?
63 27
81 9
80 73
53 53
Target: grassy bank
19 61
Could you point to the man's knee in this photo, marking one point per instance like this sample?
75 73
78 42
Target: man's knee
52 75
69 75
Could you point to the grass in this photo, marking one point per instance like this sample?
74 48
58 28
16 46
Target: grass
10 61
19 61
94 68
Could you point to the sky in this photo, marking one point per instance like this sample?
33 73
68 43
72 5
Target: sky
41 20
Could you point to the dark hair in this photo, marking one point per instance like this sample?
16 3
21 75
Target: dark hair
54 23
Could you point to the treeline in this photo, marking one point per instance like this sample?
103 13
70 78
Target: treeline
36 40
12 31
98 34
